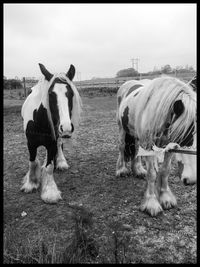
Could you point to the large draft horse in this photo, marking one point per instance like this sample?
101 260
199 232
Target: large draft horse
159 112
50 112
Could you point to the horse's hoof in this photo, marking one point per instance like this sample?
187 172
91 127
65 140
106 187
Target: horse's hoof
51 197
62 165
123 172
151 206
167 200
29 188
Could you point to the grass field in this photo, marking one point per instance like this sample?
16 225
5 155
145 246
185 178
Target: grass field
98 220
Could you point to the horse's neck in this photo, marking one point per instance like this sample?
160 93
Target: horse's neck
45 101
42 92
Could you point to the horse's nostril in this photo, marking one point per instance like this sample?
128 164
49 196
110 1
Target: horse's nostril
185 181
61 128
72 127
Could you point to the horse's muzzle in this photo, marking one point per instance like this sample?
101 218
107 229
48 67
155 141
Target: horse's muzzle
66 136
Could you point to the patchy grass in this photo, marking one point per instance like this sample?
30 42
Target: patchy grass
98 91
98 219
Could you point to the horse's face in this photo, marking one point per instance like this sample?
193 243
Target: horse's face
188 138
61 103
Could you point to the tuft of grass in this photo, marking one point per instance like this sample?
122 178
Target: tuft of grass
46 246
83 248
119 242
98 91
21 248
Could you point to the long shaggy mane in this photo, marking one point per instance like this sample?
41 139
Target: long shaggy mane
155 103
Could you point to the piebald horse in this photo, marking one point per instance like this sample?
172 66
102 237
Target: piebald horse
159 112
50 113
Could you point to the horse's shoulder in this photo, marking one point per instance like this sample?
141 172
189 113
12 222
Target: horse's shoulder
32 102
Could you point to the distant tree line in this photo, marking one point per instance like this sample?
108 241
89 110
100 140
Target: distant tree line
166 69
130 72
12 84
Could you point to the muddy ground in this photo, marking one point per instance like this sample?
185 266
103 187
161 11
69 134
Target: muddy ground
122 233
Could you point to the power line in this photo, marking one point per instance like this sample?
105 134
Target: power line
135 63
78 73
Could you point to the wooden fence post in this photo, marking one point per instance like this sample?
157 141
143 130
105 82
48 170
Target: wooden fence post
24 84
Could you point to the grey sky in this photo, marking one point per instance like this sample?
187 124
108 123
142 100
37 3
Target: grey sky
99 39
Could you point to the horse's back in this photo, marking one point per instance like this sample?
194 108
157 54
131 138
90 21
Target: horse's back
31 103
125 87
126 92
129 87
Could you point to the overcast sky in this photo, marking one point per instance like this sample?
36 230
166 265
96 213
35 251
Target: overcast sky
98 39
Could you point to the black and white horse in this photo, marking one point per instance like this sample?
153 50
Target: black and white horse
50 113
159 112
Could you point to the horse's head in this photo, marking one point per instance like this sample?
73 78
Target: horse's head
178 111
178 127
60 95
185 138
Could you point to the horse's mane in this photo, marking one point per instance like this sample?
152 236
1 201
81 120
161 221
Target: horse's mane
77 103
155 103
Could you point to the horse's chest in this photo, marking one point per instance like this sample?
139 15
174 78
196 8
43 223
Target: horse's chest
39 127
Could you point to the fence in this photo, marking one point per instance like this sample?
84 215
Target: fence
117 82
106 82
28 84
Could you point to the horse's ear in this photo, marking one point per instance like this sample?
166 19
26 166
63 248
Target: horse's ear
45 72
71 72
178 107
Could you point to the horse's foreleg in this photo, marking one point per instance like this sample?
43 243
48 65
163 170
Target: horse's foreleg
61 162
167 198
49 189
150 203
136 163
31 180
121 166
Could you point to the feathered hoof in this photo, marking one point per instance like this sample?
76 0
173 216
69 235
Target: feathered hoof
51 197
138 171
28 186
122 172
151 206
62 165
167 200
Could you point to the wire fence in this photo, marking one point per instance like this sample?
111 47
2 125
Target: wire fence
117 82
106 83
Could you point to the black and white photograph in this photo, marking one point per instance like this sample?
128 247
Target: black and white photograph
99 133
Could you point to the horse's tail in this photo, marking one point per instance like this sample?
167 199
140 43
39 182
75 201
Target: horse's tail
130 148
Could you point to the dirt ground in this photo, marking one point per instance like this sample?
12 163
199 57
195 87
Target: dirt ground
123 233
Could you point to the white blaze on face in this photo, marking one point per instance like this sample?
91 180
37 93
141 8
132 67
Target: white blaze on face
63 107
